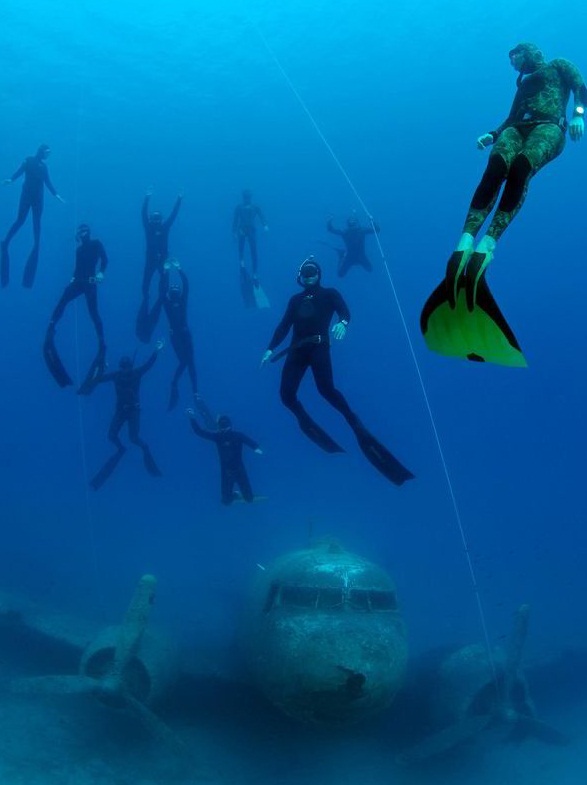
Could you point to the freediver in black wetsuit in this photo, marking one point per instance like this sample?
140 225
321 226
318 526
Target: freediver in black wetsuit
308 315
157 250
354 241
230 447
174 301
245 231
36 178
127 382
86 276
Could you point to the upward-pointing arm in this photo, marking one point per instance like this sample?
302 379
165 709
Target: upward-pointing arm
208 435
142 369
331 229
169 222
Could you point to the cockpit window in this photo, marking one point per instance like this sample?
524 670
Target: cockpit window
300 596
372 600
329 598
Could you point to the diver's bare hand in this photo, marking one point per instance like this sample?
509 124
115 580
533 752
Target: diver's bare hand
576 129
484 141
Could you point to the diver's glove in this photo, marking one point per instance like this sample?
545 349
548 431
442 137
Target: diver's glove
484 141
576 128
99 277
339 330
266 357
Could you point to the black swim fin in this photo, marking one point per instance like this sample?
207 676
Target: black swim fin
319 436
53 361
150 464
380 457
100 478
30 269
4 265
95 370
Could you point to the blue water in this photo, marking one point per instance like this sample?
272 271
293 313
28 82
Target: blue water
188 96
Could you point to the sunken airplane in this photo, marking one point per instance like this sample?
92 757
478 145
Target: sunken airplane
325 643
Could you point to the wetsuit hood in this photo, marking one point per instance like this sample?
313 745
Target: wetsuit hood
224 422
533 58
247 196
43 151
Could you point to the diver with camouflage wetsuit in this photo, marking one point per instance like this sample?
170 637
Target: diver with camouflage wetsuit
532 135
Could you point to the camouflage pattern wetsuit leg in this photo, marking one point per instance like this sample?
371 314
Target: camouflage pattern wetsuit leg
519 152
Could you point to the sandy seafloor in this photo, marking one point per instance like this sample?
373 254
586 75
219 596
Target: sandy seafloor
68 742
